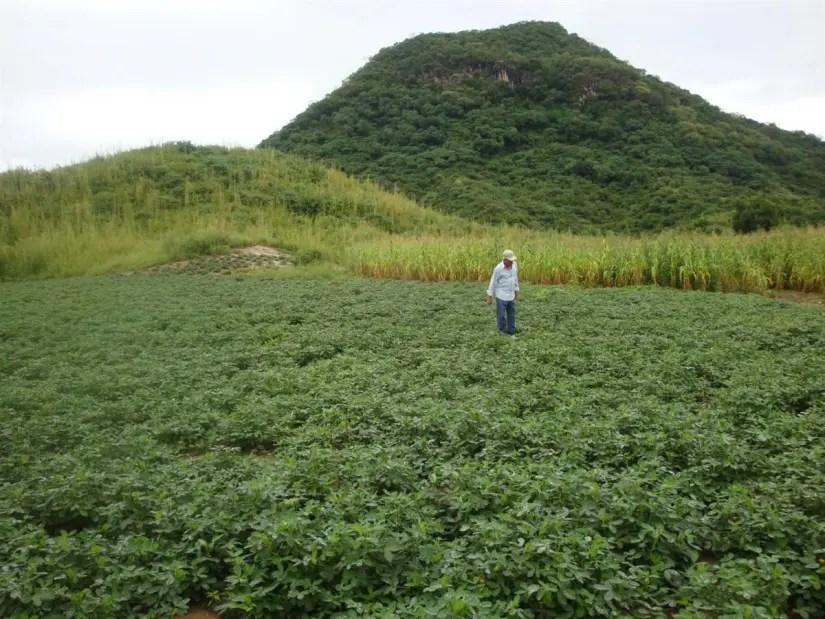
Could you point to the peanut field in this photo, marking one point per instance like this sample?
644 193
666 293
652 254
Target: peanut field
339 447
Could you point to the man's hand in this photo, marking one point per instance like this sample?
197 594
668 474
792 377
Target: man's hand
516 295
488 300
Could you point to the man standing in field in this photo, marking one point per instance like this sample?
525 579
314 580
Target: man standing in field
504 286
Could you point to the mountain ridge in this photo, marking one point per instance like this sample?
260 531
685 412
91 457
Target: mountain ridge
529 124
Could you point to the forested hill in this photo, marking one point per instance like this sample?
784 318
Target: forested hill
529 124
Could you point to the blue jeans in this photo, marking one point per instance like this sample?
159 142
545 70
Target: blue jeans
506 316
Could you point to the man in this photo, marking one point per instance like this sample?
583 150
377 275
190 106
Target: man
504 286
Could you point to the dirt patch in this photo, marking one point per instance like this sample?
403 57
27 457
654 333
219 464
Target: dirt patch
179 264
805 298
197 612
707 556
259 250
240 259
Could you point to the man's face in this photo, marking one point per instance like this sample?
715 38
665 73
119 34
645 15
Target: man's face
507 263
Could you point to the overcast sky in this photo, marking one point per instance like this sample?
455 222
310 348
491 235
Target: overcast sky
81 77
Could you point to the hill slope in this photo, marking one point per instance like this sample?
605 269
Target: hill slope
154 205
529 124
151 205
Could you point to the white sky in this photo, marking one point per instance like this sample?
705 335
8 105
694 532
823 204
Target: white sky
82 77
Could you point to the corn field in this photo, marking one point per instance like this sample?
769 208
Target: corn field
789 259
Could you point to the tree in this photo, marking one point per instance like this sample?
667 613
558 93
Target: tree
751 217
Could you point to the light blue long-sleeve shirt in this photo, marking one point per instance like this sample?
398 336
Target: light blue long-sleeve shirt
504 282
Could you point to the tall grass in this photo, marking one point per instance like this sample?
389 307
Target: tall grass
154 205
788 259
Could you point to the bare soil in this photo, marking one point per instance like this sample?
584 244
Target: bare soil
805 298
259 250
240 258
178 264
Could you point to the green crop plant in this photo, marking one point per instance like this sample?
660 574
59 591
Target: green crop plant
301 443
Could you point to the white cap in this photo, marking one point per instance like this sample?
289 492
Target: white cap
508 255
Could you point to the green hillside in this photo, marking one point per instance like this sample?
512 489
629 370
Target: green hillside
529 124
151 205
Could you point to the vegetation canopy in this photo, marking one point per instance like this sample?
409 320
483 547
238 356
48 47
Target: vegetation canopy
301 448
528 124
150 206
